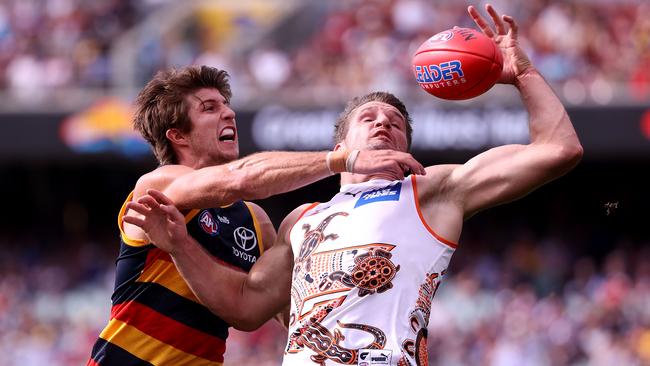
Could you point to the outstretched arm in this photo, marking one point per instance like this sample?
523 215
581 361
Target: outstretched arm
244 300
508 172
261 175
258 176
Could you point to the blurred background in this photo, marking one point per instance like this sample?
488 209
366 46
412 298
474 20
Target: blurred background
561 277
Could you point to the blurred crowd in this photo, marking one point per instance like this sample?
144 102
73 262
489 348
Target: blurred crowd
587 48
54 300
493 312
581 45
533 304
50 44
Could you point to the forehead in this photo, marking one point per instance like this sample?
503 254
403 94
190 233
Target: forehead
375 106
205 94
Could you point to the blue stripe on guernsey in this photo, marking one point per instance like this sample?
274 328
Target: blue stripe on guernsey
130 263
118 356
390 193
169 303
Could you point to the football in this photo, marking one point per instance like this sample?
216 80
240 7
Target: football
456 64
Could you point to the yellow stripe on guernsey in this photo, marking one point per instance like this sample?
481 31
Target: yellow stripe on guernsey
258 230
148 348
140 242
165 274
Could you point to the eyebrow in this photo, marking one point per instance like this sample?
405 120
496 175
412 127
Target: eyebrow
392 111
397 113
203 102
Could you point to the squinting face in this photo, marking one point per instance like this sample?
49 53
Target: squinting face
213 138
375 126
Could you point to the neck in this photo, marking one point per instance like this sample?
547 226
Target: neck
198 162
191 161
349 178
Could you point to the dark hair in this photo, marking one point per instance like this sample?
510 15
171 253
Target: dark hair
161 105
341 126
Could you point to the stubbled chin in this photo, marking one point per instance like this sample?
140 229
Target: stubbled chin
229 152
379 145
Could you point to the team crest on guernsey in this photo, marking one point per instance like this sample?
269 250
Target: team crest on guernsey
208 224
390 193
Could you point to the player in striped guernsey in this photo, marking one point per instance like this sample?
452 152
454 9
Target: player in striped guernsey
156 318
368 262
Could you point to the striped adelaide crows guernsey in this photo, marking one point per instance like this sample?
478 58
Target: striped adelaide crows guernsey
366 268
155 318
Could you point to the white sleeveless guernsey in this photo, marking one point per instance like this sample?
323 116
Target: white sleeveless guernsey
366 269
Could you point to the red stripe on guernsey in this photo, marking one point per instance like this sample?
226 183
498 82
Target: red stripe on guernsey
155 254
117 309
170 331
92 362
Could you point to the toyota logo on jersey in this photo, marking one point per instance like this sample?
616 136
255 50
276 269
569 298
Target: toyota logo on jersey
208 224
245 238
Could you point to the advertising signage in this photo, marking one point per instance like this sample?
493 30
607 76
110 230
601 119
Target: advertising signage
104 130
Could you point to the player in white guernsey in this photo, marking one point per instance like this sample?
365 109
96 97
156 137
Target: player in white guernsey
367 263
366 267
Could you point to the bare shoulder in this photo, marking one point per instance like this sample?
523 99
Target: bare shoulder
290 221
440 201
265 225
257 209
260 214
296 213
160 178
438 180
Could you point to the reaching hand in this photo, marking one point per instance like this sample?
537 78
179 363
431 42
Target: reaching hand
379 161
515 60
161 221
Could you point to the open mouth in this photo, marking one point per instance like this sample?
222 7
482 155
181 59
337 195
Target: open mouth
227 134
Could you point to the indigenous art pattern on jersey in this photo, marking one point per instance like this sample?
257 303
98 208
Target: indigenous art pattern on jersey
372 272
366 267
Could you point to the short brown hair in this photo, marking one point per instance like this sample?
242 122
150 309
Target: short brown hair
161 105
341 126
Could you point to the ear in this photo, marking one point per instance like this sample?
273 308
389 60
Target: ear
339 146
175 136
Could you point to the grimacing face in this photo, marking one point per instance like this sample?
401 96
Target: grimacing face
376 125
213 136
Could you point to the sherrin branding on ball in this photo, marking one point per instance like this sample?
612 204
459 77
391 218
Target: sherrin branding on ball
456 64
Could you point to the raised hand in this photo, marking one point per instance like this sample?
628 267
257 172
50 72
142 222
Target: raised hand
515 60
377 161
161 221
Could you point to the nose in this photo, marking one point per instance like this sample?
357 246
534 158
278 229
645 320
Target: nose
229 113
382 121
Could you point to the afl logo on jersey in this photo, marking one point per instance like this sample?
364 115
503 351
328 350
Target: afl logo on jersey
245 238
208 224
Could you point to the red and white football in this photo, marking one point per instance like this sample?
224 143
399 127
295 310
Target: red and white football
459 63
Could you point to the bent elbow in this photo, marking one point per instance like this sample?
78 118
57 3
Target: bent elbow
236 318
567 157
573 154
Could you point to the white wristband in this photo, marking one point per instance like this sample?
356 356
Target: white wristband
349 162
